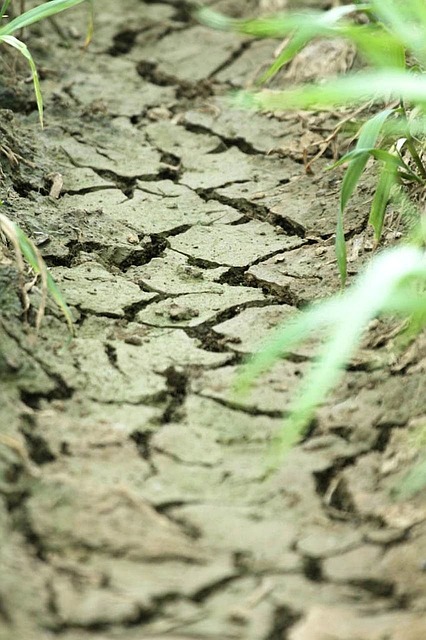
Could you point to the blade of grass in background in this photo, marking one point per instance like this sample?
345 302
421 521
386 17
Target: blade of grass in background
367 138
385 287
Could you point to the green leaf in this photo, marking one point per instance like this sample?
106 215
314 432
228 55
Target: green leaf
367 138
37 13
38 265
353 88
407 20
373 291
387 180
23 49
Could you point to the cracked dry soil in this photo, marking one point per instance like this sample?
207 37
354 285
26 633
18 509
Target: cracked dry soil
134 501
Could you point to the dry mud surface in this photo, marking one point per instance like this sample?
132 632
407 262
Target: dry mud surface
135 500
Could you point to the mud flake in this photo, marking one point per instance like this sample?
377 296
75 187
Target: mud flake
82 512
360 565
257 132
271 392
145 583
197 308
121 151
188 445
246 332
403 565
296 275
102 381
297 593
178 141
82 220
345 623
84 426
232 246
94 290
161 349
173 482
23 580
182 55
229 426
266 543
172 274
322 542
123 80
216 170
79 179
91 606
162 207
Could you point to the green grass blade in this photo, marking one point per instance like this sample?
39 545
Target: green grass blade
37 264
353 88
295 45
4 8
387 180
319 22
284 339
37 13
407 20
23 49
372 293
340 249
367 138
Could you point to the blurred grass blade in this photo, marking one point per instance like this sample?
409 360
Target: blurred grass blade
4 8
373 291
44 10
380 48
407 19
367 139
353 88
23 49
387 180
311 26
295 45
284 339
279 25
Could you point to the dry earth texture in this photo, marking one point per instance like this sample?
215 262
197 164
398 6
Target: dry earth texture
135 501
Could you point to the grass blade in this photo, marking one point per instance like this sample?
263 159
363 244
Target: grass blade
23 49
25 247
373 292
4 8
44 10
368 135
387 180
353 88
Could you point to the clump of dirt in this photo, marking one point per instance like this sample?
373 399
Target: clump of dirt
135 495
